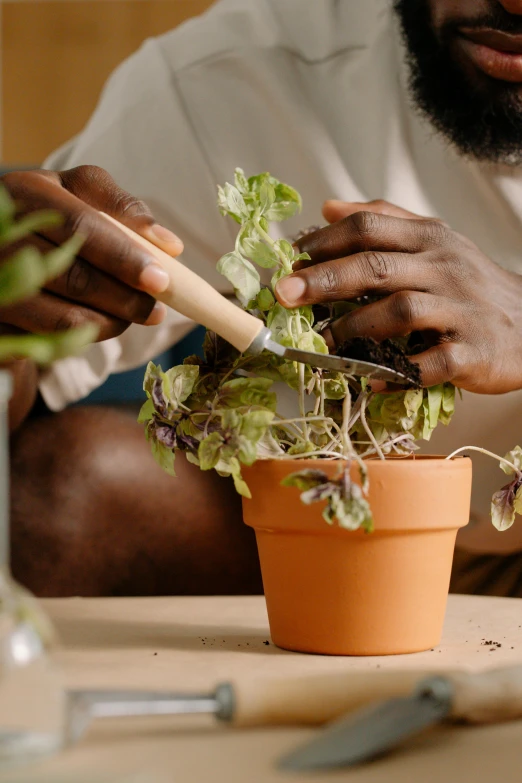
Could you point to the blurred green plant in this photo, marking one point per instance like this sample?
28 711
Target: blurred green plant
25 272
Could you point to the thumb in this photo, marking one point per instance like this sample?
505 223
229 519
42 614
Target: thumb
334 210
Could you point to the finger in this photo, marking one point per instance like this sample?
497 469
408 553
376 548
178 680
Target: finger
96 187
105 246
359 275
334 210
92 288
371 231
45 313
398 315
448 361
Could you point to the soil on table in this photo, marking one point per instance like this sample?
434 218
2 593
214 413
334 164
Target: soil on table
387 354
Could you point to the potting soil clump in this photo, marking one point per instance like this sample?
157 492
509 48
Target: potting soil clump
387 354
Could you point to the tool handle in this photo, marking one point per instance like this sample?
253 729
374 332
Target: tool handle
487 697
196 299
314 700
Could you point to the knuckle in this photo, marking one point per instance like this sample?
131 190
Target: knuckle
450 360
80 280
137 308
405 308
326 278
435 233
129 206
378 264
364 224
73 318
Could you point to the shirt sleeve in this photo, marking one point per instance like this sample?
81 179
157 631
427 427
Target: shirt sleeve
141 134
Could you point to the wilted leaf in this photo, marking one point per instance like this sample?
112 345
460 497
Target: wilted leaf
209 451
515 457
242 274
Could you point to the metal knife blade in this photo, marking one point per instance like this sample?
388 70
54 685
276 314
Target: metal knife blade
374 730
328 361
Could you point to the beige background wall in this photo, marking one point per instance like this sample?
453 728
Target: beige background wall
56 56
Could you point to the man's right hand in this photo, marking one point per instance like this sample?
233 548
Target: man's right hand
112 280
111 283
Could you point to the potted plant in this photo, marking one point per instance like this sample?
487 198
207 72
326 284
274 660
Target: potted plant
355 532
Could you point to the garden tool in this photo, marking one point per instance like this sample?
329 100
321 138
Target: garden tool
196 299
489 697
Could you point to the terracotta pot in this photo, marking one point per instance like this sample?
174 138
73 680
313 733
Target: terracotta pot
340 592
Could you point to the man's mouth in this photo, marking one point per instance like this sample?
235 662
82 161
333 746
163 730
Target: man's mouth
498 55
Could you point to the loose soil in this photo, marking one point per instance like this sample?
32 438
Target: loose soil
387 354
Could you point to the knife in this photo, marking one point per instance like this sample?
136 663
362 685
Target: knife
489 697
196 299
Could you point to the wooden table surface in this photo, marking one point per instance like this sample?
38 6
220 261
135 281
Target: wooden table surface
193 643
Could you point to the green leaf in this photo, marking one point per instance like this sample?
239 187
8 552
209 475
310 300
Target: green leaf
515 457
435 394
231 202
209 451
265 299
267 196
302 447
178 383
29 224
312 341
282 210
287 250
248 392
241 181
45 349
163 456
60 259
502 509
517 503
240 484
146 412
254 424
448 404
242 274
286 194
305 479
21 276
247 451
259 253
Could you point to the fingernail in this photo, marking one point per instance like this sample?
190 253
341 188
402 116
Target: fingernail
291 289
157 314
162 236
154 279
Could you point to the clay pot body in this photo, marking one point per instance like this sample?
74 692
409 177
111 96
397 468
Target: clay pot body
340 592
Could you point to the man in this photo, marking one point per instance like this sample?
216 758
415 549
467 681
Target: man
419 106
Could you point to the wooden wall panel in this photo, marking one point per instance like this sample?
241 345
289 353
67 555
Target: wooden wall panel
56 56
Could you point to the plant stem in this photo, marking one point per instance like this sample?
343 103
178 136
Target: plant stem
367 427
487 453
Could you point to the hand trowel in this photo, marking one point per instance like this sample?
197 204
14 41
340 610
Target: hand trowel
196 299
490 697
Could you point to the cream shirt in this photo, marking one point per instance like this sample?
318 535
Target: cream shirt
315 92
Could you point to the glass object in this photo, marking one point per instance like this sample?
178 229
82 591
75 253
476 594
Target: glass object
32 697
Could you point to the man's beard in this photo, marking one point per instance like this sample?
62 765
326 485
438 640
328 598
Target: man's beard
482 117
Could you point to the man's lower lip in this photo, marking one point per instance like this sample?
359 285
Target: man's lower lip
506 66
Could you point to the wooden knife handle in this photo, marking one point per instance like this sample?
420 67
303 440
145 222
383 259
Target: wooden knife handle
487 697
314 700
196 299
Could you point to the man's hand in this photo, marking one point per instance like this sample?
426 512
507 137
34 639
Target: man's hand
431 280
111 283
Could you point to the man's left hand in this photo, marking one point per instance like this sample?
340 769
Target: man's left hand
431 279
